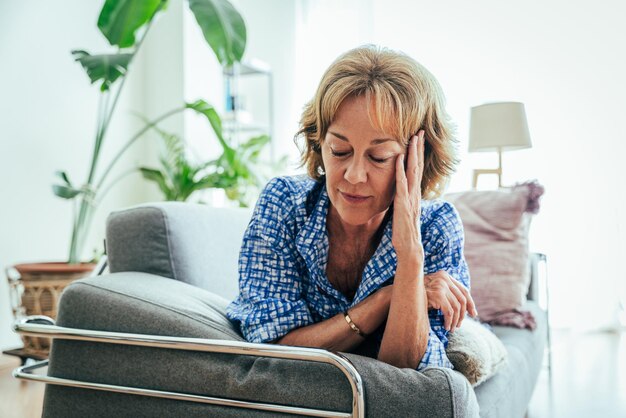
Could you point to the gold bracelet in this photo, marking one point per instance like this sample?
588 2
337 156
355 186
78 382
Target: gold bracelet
353 325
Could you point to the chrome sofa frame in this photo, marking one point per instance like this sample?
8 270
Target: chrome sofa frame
25 326
43 326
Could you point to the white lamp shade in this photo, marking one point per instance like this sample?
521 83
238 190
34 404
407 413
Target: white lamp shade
496 126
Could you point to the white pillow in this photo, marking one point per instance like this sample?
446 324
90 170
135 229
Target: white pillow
475 351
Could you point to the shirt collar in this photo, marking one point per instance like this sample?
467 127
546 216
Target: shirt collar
312 244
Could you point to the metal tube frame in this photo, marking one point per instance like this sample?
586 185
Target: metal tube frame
44 326
539 292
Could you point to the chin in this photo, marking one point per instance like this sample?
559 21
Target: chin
356 216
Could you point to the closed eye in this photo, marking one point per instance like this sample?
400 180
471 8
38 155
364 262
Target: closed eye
343 154
338 154
379 160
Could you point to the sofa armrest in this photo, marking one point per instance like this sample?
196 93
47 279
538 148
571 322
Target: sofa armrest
191 243
146 304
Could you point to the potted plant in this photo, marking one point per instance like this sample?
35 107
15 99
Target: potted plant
125 24
238 170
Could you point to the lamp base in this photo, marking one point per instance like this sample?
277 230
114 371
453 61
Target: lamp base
478 172
497 171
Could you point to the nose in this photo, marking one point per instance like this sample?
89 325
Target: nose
356 172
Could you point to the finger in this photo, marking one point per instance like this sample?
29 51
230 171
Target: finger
420 154
430 298
401 181
456 306
461 317
456 289
462 295
448 313
471 306
411 164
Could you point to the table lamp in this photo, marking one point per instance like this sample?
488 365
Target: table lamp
497 127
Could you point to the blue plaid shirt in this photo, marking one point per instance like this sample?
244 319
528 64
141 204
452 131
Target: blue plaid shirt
283 258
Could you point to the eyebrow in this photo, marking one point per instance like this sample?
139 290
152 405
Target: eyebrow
373 141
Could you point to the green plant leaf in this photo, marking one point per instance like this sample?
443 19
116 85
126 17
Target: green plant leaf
208 181
185 180
65 192
222 27
253 147
207 164
209 112
63 176
256 142
120 19
170 169
159 178
214 119
107 67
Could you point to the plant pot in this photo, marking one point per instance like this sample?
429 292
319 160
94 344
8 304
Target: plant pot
36 289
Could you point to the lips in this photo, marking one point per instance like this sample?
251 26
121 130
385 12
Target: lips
354 198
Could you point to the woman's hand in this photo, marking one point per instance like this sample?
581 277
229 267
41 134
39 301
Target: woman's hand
406 336
406 237
446 293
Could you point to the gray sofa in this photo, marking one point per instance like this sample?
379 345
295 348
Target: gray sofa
172 272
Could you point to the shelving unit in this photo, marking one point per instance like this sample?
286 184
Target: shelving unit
237 123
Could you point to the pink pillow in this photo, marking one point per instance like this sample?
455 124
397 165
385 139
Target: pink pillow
496 227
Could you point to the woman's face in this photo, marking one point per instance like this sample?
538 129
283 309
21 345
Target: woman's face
359 162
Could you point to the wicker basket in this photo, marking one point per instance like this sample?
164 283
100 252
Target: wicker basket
35 290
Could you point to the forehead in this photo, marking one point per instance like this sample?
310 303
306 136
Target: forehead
339 137
357 116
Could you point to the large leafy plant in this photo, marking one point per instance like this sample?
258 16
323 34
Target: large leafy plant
125 24
238 170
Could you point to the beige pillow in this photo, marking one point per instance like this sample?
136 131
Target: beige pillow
496 247
475 351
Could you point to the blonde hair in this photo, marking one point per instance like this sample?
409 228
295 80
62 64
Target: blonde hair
406 98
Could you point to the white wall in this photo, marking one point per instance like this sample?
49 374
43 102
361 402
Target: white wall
47 119
272 40
563 59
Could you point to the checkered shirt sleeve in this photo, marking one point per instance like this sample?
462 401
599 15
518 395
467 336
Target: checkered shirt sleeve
443 241
269 304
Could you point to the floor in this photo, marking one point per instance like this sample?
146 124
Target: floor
588 377
588 380
18 399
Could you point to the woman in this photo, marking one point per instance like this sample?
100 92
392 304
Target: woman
351 249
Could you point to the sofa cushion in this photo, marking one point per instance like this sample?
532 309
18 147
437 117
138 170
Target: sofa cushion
496 224
178 240
147 304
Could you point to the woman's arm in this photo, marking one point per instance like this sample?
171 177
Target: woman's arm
335 334
406 337
406 334
272 280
